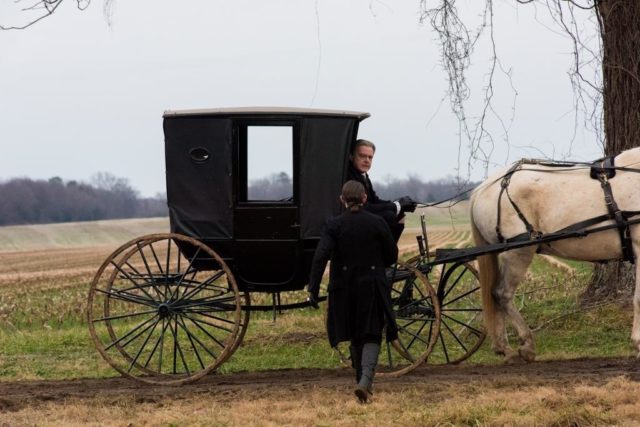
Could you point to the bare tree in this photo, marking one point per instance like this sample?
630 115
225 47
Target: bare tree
29 12
605 78
620 30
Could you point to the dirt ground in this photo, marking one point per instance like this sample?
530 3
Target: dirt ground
18 395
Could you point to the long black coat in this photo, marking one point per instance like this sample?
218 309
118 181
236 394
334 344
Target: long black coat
360 246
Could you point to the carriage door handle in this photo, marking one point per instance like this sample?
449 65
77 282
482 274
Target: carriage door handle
295 225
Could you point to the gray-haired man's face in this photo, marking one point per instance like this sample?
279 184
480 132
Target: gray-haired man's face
363 158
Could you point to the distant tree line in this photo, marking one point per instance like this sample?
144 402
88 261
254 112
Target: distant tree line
27 201
279 187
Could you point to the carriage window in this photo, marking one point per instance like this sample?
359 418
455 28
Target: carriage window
270 163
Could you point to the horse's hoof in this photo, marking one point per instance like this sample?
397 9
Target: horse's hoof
527 355
514 359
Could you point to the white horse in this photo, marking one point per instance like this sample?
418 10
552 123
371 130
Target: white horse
549 198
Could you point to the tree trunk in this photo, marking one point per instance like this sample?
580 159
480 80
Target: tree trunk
620 31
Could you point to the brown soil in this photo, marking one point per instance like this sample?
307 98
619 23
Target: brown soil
19 395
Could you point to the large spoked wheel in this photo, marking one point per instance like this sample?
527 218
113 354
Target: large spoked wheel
165 309
415 305
462 331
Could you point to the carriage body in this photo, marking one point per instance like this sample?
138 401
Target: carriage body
214 165
249 191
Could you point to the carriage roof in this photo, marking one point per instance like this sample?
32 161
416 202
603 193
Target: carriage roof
206 166
276 111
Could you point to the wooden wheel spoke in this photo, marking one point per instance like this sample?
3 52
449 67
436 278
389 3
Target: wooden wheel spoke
177 348
146 265
453 334
195 337
477 332
188 267
416 336
128 277
216 304
459 297
444 347
197 323
179 322
455 282
211 316
168 271
142 347
418 333
123 316
155 257
127 297
136 328
203 285
209 324
158 342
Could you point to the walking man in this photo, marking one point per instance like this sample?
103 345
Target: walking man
360 245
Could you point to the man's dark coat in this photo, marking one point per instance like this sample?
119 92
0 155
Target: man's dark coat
360 246
374 203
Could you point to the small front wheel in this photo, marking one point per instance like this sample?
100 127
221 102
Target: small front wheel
462 331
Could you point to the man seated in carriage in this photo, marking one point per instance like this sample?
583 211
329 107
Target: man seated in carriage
393 212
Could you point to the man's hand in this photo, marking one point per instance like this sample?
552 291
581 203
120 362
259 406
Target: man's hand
407 204
313 300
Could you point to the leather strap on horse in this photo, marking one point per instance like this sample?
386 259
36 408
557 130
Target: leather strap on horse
605 166
603 170
504 189
615 213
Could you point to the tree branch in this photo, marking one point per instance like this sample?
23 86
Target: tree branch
43 9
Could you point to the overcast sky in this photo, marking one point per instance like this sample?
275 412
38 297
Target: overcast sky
78 96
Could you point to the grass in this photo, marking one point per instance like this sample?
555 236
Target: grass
50 353
443 216
78 234
54 349
476 403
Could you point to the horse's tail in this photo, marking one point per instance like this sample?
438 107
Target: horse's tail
488 271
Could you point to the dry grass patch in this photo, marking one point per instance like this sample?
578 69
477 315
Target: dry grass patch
429 404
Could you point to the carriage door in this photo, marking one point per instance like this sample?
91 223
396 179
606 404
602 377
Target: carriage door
266 215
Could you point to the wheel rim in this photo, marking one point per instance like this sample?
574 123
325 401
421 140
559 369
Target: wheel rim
462 331
156 315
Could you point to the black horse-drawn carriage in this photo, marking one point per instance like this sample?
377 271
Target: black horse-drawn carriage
170 308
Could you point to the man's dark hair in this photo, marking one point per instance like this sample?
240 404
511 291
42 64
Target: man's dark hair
363 143
353 192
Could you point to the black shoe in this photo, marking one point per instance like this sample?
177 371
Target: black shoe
362 393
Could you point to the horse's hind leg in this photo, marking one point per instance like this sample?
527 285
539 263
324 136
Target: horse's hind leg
635 331
513 266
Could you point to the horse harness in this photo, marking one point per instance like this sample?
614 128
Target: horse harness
603 170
